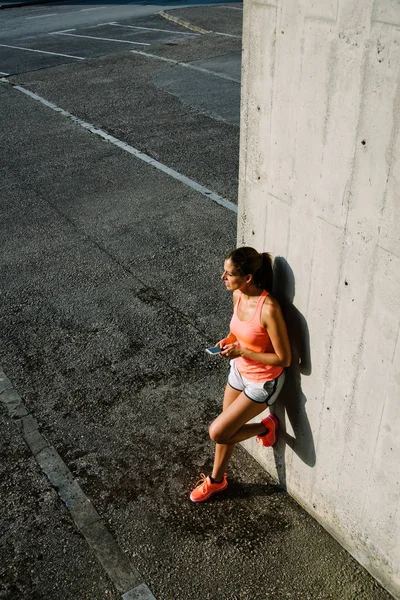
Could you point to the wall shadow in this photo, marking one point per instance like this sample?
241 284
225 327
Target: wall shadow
291 404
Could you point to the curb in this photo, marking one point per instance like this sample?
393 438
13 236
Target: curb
183 23
125 577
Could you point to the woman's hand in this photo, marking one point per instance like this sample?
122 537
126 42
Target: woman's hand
231 339
231 351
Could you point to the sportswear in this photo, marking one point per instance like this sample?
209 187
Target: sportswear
253 336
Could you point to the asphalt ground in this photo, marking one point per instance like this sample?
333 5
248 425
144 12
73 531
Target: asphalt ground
139 98
42 553
10 4
110 293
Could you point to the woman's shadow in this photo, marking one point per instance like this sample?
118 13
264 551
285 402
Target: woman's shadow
292 401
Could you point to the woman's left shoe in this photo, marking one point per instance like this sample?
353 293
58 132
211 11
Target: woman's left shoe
206 488
271 424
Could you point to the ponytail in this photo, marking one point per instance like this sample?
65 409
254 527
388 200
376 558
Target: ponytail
248 261
264 276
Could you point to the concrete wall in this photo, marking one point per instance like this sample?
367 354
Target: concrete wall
320 189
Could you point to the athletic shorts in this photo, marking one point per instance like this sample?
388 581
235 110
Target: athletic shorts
264 391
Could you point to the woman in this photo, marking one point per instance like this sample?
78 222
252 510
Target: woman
259 350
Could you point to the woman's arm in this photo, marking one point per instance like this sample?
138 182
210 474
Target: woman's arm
272 320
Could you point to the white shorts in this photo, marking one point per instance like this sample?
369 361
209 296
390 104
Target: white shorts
264 391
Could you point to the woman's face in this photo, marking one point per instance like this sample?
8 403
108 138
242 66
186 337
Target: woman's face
233 281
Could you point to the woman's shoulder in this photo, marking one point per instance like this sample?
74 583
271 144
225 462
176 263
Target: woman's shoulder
271 306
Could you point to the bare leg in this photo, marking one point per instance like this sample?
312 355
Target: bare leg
223 452
230 427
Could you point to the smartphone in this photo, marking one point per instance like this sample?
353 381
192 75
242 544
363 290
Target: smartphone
213 350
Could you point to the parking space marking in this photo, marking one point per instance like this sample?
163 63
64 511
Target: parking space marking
140 592
190 183
92 37
4 73
41 16
237 37
150 29
42 51
187 65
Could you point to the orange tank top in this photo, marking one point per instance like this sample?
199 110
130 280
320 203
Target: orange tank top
253 336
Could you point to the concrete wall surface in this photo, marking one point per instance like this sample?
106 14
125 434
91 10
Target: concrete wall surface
320 189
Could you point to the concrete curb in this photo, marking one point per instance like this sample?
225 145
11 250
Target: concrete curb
183 23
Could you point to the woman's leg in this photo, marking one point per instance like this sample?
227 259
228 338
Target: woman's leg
230 427
223 452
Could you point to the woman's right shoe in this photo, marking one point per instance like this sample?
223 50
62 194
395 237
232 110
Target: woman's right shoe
206 488
271 424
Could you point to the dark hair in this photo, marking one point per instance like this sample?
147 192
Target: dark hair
248 261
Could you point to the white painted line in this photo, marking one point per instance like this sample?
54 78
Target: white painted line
141 592
187 65
87 9
92 37
162 58
115 562
237 37
134 151
63 31
41 16
151 29
4 73
42 52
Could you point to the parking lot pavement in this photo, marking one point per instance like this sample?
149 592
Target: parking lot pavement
69 45
123 94
7 4
41 552
145 100
102 244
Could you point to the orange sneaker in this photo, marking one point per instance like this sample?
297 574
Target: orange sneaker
205 488
271 424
